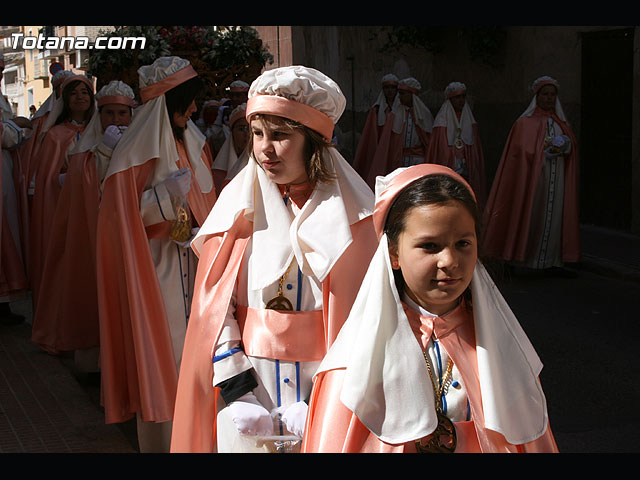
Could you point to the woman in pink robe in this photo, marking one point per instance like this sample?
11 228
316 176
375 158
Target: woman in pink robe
455 140
78 107
157 190
431 358
532 218
66 317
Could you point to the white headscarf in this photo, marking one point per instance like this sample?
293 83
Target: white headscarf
537 84
447 117
341 203
227 157
150 134
381 101
383 359
423 116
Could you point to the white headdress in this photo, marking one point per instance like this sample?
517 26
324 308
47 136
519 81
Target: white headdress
382 358
311 98
150 134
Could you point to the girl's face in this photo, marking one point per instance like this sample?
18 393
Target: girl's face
279 150
80 98
115 114
437 253
181 119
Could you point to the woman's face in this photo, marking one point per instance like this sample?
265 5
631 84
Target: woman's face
458 102
437 253
406 97
390 90
546 98
181 119
80 98
240 134
279 150
115 114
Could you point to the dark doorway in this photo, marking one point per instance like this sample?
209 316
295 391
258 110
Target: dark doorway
605 132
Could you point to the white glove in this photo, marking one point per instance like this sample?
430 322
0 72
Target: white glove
112 135
250 417
179 183
294 417
61 178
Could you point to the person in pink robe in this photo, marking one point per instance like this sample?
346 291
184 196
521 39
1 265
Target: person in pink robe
532 215
377 126
294 226
157 191
77 108
233 155
66 317
455 140
431 358
407 142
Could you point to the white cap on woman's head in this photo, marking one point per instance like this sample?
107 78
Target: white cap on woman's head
389 78
299 93
540 82
410 84
116 91
454 88
162 75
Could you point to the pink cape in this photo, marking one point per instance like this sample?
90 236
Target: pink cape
136 353
507 215
66 316
442 153
388 155
369 140
220 260
333 428
51 155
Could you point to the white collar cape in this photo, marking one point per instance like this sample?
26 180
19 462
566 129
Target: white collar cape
447 117
382 359
150 136
422 114
317 236
382 104
533 104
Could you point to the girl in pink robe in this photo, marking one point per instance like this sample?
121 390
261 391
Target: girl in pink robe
284 228
429 343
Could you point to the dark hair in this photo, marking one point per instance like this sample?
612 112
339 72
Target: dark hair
179 98
314 147
427 190
66 93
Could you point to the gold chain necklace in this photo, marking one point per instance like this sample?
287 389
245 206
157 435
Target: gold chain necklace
443 439
280 302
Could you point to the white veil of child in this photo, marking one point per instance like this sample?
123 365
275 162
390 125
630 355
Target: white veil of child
382 358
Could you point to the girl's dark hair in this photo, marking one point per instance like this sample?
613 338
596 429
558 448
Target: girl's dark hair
315 145
179 98
66 93
427 190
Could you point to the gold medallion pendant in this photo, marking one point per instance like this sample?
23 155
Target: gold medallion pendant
181 228
444 438
280 302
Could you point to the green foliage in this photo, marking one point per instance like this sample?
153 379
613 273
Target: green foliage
218 48
484 43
